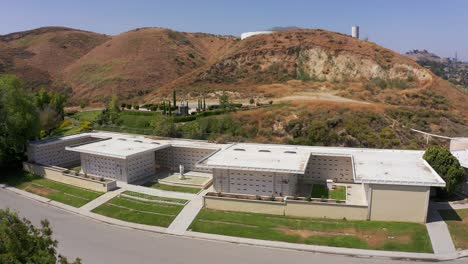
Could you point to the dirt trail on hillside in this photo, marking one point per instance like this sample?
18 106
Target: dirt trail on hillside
321 97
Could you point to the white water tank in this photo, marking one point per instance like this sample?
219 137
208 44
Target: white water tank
355 32
249 34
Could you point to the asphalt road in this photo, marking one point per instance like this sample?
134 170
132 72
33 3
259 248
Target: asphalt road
96 242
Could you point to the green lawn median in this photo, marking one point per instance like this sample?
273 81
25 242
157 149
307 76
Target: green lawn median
153 212
173 188
393 236
56 191
457 222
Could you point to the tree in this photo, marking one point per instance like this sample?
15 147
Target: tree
19 121
22 242
164 126
446 165
251 101
174 98
110 115
224 101
49 120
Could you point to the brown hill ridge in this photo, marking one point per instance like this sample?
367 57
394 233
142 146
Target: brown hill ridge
148 63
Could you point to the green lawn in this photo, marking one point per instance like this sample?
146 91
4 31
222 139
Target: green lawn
56 191
137 120
392 236
172 188
155 198
141 212
457 222
321 191
89 116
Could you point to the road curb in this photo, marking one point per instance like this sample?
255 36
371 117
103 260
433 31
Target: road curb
395 255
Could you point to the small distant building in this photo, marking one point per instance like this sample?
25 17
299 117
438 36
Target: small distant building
253 33
355 31
183 109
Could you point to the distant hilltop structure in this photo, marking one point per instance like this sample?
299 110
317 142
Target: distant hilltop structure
269 31
355 31
253 33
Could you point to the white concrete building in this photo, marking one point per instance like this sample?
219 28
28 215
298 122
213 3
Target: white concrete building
386 184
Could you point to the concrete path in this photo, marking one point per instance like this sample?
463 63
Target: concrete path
101 199
156 192
438 232
237 240
97 242
187 215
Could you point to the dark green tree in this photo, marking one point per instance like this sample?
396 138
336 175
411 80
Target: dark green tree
19 120
446 165
174 98
22 242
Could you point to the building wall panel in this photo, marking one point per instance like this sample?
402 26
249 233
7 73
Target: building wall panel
323 167
399 203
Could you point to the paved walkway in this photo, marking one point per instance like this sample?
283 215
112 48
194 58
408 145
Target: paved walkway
155 192
439 233
187 215
101 199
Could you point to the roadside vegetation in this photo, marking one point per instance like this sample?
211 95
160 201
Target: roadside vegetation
457 222
23 242
152 212
393 236
63 193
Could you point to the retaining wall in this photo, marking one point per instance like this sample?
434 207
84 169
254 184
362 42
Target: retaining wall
288 208
59 175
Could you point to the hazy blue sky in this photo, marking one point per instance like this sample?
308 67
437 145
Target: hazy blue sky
440 26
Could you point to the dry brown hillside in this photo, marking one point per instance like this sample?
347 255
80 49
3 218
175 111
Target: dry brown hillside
40 55
137 62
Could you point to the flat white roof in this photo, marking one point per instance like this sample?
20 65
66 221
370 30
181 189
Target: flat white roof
287 159
120 147
55 140
379 166
462 156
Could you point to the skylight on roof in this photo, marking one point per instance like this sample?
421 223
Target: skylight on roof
290 152
264 150
239 149
123 139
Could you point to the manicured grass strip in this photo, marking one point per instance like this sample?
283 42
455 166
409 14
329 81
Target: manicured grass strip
56 191
457 222
147 213
87 115
172 188
155 198
321 191
394 236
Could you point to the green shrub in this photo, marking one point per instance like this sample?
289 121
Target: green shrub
446 165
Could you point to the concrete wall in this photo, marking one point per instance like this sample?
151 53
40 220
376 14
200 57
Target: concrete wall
248 206
54 154
323 167
130 170
107 167
254 182
141 167
398 203
288 208
171 157
327 210
56 174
